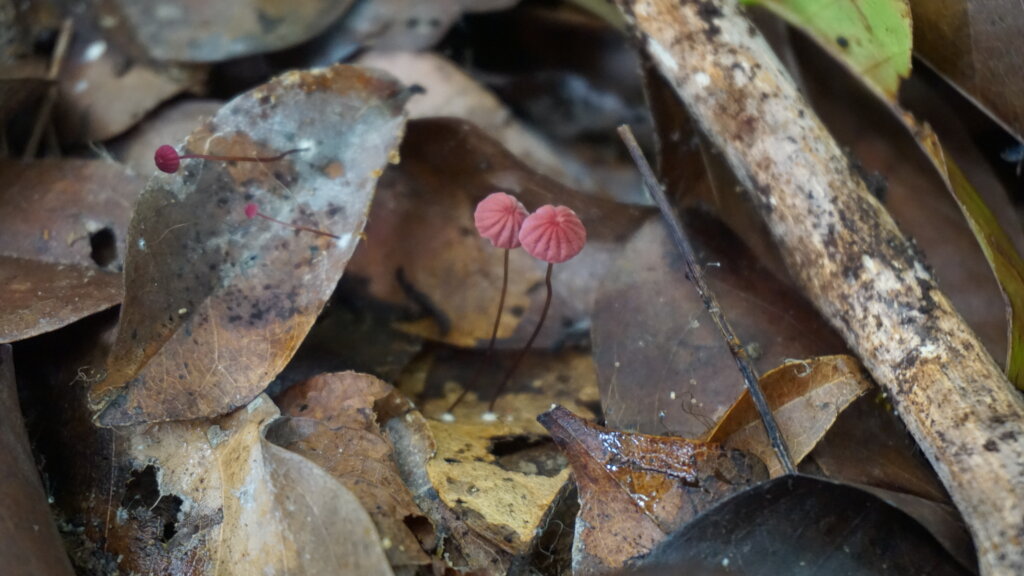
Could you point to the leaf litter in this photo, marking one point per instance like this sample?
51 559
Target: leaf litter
203 484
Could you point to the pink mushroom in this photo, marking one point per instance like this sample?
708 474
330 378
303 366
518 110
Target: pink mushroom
553 234
498 218
168 160
252 211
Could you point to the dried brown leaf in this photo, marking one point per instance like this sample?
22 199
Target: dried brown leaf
636 488
43 296
868 444
60 220
199 31
253 507
662 364
235 296
976 44
406 24
104 92
333 425
450 92
29 542
806 397
51 209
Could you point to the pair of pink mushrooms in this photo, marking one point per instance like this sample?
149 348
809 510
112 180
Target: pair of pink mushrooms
552 234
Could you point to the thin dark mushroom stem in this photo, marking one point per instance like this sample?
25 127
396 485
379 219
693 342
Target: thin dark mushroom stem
261 159
297 226
522 353
696 275
494 336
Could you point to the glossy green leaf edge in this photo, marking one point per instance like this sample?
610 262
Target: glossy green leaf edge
874 38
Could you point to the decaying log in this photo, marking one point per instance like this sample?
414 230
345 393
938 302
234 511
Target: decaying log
851 260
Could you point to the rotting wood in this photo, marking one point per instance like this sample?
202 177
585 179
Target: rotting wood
851 260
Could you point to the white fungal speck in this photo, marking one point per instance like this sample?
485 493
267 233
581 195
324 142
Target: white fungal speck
94 51
702 79
345 240
141 244
489 417
447 417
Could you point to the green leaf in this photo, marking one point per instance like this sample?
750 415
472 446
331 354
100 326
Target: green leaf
873 38
1006 263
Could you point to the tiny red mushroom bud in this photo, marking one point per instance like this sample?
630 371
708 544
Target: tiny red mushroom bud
168 160
498 218
553 234
253 211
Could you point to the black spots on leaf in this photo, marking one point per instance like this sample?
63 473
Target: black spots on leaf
842 42
268 307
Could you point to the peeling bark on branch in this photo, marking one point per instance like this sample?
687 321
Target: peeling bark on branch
851 260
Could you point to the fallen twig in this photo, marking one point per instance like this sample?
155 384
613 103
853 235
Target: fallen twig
696 274
53 74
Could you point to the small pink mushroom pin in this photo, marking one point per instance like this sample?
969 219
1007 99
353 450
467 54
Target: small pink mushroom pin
168 160
498 218
253 211
553 234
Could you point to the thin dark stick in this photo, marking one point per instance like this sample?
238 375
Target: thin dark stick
494 336
522 353
298 226
710 302
239 158
43 117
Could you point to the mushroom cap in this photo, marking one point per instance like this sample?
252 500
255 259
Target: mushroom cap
553 234
251 210
499 218
167 159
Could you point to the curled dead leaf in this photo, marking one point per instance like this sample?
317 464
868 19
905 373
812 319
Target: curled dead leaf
806 397
635 488
333 424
